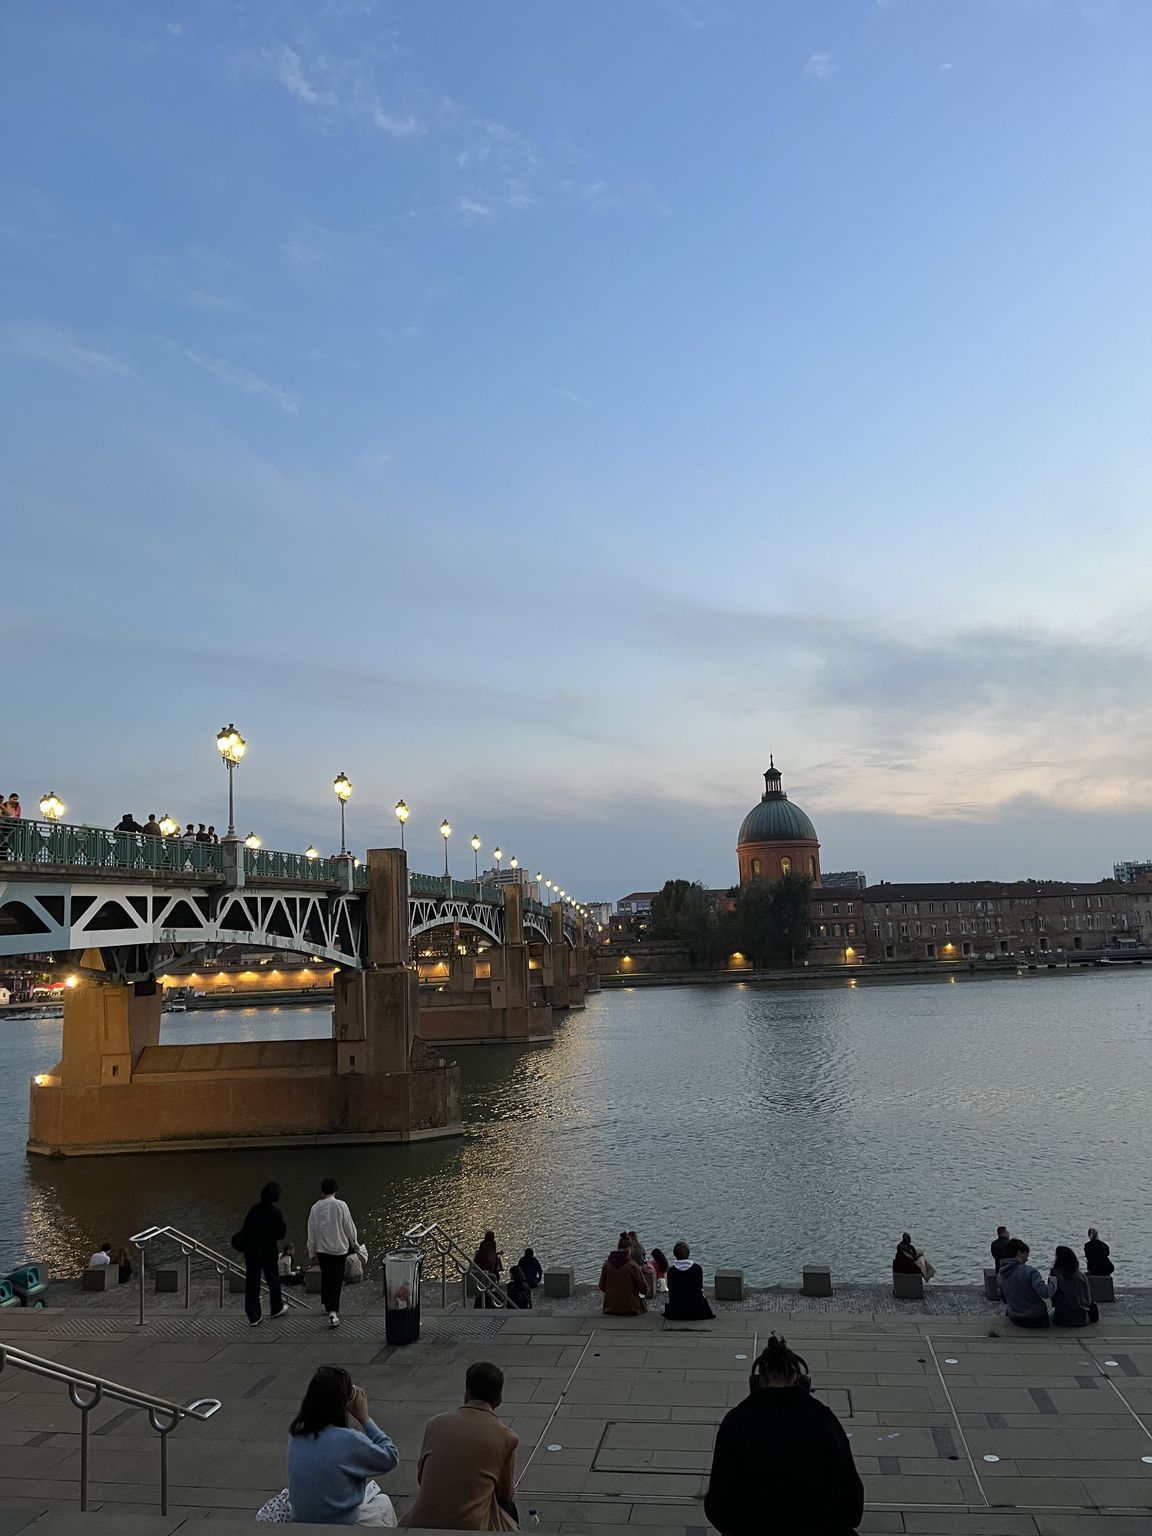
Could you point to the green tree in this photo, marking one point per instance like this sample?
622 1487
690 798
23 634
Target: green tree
700 927
772 920
667 905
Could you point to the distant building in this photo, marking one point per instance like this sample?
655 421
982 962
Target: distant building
600 911
776 837
1133 871
844 880
638 903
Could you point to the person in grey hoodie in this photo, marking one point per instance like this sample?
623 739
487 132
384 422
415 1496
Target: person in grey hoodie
1023 1290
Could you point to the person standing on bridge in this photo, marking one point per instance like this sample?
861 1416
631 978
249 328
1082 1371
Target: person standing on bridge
259 1241
127 823
151 827
331 1238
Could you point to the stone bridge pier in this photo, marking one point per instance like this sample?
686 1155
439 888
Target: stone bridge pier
501 1007
117 1089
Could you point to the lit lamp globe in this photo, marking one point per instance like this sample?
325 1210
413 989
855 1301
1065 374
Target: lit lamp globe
252 842
51 806
497 854
402 814
311 852
445 833
513 862
168 827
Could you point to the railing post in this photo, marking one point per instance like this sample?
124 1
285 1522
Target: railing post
85 1408
187 1280
143 1251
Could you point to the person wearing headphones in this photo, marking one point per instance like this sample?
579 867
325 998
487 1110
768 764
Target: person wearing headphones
782 1459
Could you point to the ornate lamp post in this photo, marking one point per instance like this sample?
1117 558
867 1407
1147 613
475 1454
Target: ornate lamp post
514 862
311 852
168 827
342 784
497 855
232 747
476 857
51 806
446 833
252 842
402 814
539 887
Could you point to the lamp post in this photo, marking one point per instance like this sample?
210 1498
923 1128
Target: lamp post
402 814
476 857
497 855
252 842
446 833
342 784
51 806
539 887
168 827
548 883
514 862
311 852
232 747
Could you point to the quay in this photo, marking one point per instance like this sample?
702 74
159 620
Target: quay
960 1425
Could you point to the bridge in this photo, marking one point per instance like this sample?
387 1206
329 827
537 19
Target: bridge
118 907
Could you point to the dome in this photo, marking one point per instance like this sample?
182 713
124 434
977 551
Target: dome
775 820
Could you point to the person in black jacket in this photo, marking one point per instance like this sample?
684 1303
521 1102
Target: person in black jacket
1097 1253
781 1459
260 1237
686 1300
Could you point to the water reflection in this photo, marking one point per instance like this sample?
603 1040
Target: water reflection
769 1127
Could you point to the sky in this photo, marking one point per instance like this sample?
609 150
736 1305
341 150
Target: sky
543 412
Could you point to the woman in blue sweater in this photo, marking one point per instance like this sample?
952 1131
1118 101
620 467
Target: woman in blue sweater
333 1449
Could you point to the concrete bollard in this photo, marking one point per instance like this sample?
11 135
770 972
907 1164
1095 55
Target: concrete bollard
102 1278
817 1280
167 1279
559 1282
1101 1288
728 1285
991 1285
907 1287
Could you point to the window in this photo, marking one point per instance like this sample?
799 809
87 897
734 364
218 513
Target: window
887 930
875 930
889 952
932 928
755 869
903 930
850 930
848 909
930 951
823 930
785 865
917 926
812 866
835 930
931 908
835 909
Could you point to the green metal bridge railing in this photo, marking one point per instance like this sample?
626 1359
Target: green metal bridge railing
54 842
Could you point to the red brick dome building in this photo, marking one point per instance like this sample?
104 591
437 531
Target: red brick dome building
776 837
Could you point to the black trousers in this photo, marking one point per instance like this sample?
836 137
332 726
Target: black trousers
258 1266
331 1279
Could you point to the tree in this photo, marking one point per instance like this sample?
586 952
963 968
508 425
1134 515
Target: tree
666 908
772 920
700 926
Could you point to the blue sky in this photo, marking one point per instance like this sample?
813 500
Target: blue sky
541 412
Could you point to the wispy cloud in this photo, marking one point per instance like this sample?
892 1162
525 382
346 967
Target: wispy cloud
375 460
289 71
820 66
473 212
235 377
53 344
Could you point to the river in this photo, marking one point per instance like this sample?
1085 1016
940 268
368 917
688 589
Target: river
769 1127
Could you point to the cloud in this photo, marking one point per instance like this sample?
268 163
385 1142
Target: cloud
290 73
173 29
375 460
53 344
473 212
943 67
820 66
236 377
686 15
305 258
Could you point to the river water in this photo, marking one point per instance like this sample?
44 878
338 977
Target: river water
769 1127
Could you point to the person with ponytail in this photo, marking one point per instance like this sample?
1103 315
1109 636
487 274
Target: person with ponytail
783 1452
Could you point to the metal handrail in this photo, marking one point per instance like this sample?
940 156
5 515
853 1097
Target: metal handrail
188 1247
85 1391
449 1249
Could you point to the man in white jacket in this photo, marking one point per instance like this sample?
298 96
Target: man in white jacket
331 1237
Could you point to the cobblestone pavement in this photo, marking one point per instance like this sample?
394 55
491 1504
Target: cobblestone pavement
961 1426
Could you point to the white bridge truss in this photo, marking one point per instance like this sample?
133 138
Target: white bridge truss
46 917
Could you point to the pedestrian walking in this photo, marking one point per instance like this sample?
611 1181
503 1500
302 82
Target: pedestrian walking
331 1238
259 1239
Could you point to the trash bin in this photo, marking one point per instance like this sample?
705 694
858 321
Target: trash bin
402 1295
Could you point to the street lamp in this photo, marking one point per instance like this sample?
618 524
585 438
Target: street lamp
252 842
476 857
548 883
514 862
231 747
402 814
51 806
445 833
539 887
168 827
497 855
310 852
342 784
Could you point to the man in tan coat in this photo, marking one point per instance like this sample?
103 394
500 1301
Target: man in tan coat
467 1470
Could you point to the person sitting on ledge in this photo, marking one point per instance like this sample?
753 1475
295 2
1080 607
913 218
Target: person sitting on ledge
686 1300
286 1264
782 1462
1000 1247
905 1261
622 1283
531 1270
467 1467
333 1450
1072 1304
1096 1255
517 1290
1023 1290
102 1257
